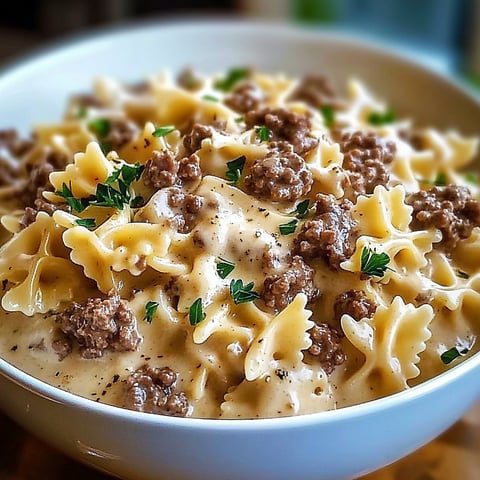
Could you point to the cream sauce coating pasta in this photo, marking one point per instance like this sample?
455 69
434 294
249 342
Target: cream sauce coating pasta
277 248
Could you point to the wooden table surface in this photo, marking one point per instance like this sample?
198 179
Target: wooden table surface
454 455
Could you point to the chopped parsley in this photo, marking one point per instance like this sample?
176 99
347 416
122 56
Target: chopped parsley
224 267
373 263
76 204
86 222
242 293
264 134
240 119
210 98
381 118
472 177
196 313
451 354
106 194
232 77
328 114
235 169
440 180
302 208
162 131
82 112
150 309
288 228
100 126
463 275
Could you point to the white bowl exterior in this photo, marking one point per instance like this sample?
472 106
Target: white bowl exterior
331 445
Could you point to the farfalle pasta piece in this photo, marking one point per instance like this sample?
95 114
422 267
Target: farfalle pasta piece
391 342
84 174
383 224
281 342
283 393
35 263
116 246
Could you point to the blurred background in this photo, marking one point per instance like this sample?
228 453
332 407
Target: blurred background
442 33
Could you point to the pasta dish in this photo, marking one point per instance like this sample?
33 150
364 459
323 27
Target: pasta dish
240 245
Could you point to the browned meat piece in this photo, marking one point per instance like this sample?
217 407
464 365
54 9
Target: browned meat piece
186 206
451 209
164 170
330 235
247 96
152 390
120 133
12 146
326 346
39 176
315 90
279 290
365 157
355 303
192 141
285 126
189 80
41 205
100 325
280 176
87 100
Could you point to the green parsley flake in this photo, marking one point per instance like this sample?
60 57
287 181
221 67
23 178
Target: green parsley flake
381 118
472 177
242 293
264 134
150 309
224 267
450 355
235 169
162 131
100 126
210 98
76 204
86 222
302 208
82 112
106 195
288 228
463 275
196 313
232 77
328 114
373 263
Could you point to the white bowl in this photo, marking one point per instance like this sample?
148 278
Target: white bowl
330 445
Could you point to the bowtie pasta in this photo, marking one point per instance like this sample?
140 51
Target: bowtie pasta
242 245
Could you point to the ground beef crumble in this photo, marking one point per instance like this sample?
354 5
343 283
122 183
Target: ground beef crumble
354 303
192 141
152 390
121 132
280 176
284 125
364 158
316 91
12 147
246 97
451 209
97 326
186 207
280 289
326 346
164 170
330 234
